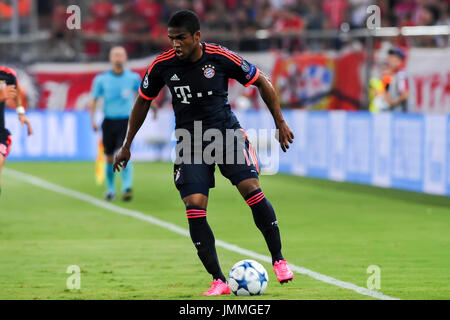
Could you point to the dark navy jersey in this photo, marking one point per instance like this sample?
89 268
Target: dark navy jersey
199 89
7 77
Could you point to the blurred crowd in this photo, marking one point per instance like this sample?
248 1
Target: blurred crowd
141 24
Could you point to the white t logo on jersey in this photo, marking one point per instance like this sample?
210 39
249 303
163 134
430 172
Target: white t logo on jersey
181 93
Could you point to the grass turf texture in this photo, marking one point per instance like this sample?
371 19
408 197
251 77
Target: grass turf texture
333 228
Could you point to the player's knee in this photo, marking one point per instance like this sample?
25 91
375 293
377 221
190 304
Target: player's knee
196 200
248 186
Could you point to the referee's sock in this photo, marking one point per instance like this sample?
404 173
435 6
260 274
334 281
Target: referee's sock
266 221
204 241
127 177
110 178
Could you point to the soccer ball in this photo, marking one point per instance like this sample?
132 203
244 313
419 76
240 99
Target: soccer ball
248 278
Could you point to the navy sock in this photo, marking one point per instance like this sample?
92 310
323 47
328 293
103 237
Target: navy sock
204 241
266 221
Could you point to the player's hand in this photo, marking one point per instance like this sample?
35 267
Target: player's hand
121 159
24 121
8 92
284 135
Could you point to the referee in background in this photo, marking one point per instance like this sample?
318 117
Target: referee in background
118 87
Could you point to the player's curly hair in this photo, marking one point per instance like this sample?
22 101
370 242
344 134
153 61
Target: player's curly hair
185 19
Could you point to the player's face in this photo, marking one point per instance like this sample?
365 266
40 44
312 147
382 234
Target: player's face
183 42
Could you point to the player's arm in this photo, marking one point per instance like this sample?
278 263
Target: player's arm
248 74
21 110
148 91
137 117
269 95
7 92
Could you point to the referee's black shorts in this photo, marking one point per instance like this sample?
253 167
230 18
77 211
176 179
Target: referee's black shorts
114 132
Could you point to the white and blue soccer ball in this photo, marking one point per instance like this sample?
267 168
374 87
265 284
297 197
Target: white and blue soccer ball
248 278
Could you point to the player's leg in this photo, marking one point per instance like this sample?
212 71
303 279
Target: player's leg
266 221
244 175
2 161
201 234
263 215
109 144
193 183
5 147
126 173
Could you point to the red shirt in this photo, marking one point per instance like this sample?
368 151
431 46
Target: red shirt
150 10
335 11
102 12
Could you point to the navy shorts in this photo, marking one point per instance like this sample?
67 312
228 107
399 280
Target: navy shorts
5 142
114 132
194 177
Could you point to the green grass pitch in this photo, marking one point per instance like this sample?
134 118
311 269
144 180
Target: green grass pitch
336 229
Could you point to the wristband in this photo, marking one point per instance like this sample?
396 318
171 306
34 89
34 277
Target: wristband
20 110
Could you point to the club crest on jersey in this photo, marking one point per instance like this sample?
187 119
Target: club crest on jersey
208 71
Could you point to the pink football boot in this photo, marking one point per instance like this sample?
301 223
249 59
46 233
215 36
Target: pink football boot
284 274
218 288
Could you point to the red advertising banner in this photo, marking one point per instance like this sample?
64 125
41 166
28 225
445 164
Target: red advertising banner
315 81
319 81
67 90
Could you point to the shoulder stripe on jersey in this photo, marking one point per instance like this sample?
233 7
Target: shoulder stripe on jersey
214 46
166 53
159 59
222 49
225 55
237 61
161 56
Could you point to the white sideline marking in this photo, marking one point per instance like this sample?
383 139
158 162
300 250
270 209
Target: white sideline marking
182 231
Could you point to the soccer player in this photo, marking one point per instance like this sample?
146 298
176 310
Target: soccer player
118 87
197 74
9 89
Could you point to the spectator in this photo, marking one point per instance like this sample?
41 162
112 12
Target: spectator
102 11
149 9
398 91
315 19
335 11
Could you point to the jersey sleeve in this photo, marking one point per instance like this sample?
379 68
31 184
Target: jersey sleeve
239 69
97 87
152 83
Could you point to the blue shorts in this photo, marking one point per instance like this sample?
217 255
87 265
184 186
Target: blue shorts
194 177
